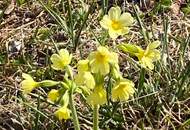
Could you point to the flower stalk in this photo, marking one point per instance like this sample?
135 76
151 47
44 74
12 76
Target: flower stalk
95 117
73 110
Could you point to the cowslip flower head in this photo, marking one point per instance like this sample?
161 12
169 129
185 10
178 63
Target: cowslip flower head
63 113
28 84
61 60
53 95
123 90
85 79
148 56
97 97
116 23
100 60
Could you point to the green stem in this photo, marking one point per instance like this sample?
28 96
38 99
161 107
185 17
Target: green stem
105 6
141 80
73 110
70 20
95 117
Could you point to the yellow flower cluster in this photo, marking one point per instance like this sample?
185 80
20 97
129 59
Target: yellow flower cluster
86 79
60 61
91 74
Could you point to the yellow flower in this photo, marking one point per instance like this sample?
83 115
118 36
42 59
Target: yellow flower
148 56
100 60
83 65
123 90
116 23
28 84
63 113
53 95
85 78
61 60
98 96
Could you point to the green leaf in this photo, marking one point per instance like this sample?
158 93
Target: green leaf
20 2
43 33
186 10
166 2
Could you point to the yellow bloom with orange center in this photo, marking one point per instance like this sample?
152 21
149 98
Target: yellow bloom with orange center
60 60
101 59
28 84
63 113
123 90
98 96
116 23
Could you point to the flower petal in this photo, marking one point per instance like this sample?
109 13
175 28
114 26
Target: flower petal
53 95
83 65
27 76
148 62
63 113
126 19
63 53
154 45
85 78
154 55
104 69
79 79
123 90
90 83
65 57
114 13
56 60
98 97
95 67
28 85
113 34
124 30
114 58
105 22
